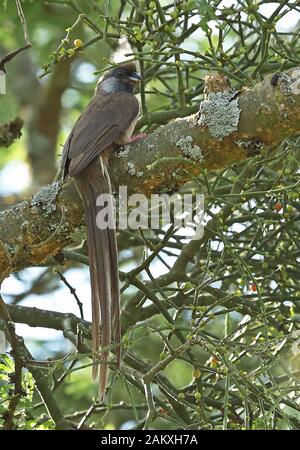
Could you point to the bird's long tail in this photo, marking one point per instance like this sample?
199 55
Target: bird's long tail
93 182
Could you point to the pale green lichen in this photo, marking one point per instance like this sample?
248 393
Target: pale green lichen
130 165
51 227
46 198
124 152
285 84
132 170
220 113
185 143
295 86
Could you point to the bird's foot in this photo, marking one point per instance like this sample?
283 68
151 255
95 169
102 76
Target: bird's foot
137 137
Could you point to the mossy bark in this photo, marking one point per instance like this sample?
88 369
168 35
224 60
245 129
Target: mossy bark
41 227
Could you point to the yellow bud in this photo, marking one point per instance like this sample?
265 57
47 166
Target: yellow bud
196 373
78 43
213 362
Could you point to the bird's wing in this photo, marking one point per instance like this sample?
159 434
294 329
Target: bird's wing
104 121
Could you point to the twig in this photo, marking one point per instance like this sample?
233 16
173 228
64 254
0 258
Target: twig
23 22
73 292
9 56
87 415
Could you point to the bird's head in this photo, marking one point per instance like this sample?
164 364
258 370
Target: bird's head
121 78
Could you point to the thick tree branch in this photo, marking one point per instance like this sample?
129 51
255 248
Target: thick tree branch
36 317
229 129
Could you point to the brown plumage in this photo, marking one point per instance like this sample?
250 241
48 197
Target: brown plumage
107 122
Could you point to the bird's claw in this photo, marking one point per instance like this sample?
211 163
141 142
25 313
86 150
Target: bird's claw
137 137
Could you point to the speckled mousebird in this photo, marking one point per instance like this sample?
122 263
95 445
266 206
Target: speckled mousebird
107 123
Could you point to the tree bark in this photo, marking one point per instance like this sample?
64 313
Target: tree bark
230 128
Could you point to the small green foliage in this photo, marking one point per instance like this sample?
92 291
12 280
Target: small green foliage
25 403
193 152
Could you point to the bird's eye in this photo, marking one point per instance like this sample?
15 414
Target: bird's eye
119 73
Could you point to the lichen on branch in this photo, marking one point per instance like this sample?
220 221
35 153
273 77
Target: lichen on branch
262 117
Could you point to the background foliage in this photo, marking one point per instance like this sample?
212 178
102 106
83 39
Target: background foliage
210 327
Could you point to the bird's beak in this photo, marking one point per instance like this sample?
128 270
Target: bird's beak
136 77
